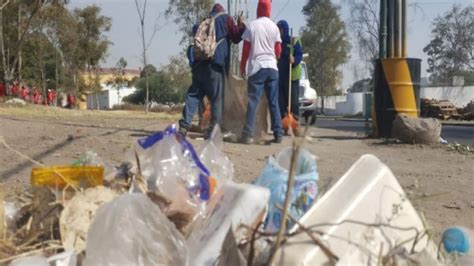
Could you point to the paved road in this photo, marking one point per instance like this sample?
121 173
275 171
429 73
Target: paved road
461 134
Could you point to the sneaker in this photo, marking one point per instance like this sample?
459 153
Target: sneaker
246 140
277 140
183 131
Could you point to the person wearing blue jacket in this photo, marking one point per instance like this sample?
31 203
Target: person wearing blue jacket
209 75
292 51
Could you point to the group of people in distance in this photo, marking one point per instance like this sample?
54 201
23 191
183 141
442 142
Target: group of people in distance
34 95
269 51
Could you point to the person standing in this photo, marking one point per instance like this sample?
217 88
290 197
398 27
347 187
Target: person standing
292 53
262 48
208 72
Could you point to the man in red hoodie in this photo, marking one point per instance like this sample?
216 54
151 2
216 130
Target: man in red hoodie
262 48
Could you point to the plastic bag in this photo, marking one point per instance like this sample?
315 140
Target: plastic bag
91 158
275 177
214 159
132 230
168 161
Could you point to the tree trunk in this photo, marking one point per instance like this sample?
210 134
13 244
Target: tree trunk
2 44
19 39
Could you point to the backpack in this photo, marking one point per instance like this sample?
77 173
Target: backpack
205 42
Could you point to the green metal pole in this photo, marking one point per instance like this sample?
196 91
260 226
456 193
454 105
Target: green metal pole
383 30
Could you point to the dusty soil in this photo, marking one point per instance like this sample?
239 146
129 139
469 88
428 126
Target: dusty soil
433 176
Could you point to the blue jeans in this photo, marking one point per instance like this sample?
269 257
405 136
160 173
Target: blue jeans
265 79
207 81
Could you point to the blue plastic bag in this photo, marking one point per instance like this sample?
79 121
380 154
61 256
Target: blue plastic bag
274 176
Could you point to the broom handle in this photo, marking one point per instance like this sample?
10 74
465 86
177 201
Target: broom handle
289 72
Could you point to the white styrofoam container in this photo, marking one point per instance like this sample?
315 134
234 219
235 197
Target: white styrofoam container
233 205
368 192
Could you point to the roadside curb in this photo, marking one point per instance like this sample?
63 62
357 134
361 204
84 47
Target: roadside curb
444 123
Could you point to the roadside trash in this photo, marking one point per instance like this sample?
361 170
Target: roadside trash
442 140
232 205
91 158
132 230
169 159
78 214
212 156
274 176
10 213
371 195
230 253
61 176
458 243
67 258
16 101
30 261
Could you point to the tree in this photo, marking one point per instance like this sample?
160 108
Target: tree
30 9
325 39
160 89
365 26
450 51
119 80
92 44
179 74
186 13
141 10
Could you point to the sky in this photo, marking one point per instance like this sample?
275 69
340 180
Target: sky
126 40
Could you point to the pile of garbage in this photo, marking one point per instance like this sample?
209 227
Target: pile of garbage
174 205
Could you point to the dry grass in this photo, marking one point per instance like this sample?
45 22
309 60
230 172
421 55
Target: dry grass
30 110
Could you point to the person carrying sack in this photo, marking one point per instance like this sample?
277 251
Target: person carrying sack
211 52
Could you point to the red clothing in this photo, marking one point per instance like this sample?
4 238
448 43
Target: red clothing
2 90
24 93
50 97
71 100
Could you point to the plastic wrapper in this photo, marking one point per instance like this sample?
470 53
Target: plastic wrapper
60 176
170 163
91 158
132 230
231 206
214 159
274 176
10 213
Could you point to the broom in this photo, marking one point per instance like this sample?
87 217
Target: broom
289 123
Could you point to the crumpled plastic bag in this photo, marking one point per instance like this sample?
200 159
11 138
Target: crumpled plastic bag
212 156
132 230
169 161
274 176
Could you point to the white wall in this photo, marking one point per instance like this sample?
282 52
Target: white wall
108 97
350 104
459 96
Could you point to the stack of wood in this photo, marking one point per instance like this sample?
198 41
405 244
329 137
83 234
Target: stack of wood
441 109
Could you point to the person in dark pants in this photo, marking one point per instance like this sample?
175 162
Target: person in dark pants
292 52
262 47
208 76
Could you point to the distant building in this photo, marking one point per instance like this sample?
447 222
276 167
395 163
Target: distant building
108 97
105 75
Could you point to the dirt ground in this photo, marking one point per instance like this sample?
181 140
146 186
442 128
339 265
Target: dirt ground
433 176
